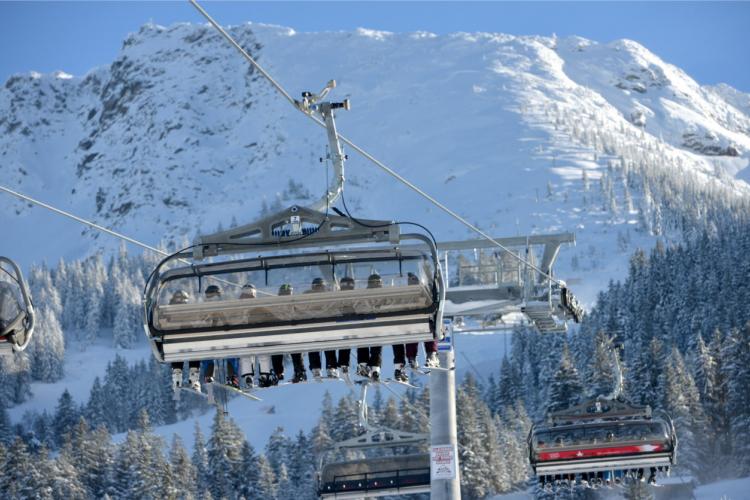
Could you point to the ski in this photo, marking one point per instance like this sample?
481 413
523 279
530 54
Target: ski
393 381
240 392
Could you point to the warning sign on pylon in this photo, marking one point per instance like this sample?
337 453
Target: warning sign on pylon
443 460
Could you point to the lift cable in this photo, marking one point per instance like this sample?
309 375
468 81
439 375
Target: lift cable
361 151
83 221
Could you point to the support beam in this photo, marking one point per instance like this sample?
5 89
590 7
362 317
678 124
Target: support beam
443 424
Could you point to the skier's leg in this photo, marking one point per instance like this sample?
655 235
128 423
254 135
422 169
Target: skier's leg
431 354
376 359
399 360
363 360
344 357
331 364
315 363
278 365
268 375
299 368
208 370
194 375
247 369
177 375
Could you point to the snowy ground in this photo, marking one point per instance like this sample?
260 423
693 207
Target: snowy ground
736 489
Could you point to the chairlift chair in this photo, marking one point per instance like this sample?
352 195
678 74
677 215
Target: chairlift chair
373 477
291 249
602 442
16 310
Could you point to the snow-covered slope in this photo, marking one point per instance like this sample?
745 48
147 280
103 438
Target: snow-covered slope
178 135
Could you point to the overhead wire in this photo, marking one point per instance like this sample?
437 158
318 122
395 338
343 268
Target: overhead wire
361 151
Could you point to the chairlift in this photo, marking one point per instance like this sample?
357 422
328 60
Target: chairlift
16 310
295 259
380 476
603 442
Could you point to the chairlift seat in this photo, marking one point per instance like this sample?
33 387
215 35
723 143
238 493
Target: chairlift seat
296 323
393 312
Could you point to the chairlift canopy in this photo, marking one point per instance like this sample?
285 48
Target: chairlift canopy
298 302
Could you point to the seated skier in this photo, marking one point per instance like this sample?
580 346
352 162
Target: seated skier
346 284
213 294
369 359
182 297
278 359
319 285
247 363
430 346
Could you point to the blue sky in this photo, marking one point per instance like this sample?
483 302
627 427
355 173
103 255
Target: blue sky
709 40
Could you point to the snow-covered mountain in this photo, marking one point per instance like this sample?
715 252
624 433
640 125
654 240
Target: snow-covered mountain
179 135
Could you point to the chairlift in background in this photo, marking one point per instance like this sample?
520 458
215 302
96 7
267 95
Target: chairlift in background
16 310
375 476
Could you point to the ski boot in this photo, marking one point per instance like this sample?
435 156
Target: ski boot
194 379
299 376
432 360
374 373
399 375
332 373
316 373
233 381
363 370
176 378
414 364
267 380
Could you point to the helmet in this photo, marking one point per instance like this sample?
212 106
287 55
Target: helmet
286 289
179 297
248 291
318 285
374 281
213 291
412 279
347 283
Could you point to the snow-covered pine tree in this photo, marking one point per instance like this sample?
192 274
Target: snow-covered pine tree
224 456
682 403
183 470
47 348
200 460
249 476
566 388
736 365
276 449
475 474
266 480
66 416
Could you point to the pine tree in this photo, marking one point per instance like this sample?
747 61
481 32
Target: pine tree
249 476
276 449
183 470
566 388
200 460
736 356
473 464
266 480
224 456
20 478
66 416
47 347
682 402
